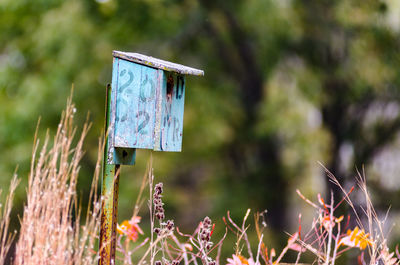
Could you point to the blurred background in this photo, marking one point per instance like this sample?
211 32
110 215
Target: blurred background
287 83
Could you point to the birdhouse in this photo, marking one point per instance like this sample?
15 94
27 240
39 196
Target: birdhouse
146 106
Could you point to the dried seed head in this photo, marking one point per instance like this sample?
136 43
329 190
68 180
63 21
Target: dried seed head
158 189
170 225
205 236
160 216
205 232
158 262
157 230
158 202
175 262
158 205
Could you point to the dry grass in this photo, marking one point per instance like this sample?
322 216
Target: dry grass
6 238
50 227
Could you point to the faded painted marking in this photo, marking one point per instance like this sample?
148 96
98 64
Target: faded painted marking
145 121
128 82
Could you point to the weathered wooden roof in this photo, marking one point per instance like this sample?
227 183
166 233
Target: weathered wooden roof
157 63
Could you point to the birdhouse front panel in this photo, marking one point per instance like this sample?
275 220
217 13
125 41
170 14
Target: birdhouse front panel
137 88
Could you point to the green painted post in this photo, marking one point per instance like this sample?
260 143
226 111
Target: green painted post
109 202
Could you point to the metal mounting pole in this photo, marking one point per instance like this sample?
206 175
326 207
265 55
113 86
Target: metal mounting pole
109 204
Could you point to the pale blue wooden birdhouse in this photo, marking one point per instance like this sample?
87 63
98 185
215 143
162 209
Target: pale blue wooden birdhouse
146 106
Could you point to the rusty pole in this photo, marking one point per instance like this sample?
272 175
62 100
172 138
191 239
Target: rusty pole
109 201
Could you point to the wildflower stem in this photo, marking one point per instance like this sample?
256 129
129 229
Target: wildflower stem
330 228
151 178
336 245
182 249
149 251
259 249
246 239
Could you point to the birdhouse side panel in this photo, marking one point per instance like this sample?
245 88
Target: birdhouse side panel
172 108
135 105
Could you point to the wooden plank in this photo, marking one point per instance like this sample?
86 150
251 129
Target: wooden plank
171 127
136 105
159 103
110 117
157 63
129 76
146 114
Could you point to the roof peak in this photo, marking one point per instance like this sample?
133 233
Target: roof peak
157 63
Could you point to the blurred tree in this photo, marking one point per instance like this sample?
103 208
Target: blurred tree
254 161
355 54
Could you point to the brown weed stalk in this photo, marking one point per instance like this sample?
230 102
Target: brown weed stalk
50 227
7 238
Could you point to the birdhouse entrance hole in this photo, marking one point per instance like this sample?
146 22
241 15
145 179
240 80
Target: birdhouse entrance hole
170 86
